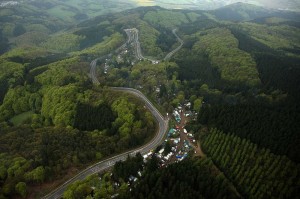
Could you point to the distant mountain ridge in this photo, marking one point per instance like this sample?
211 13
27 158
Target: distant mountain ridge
246 12
241 11
290 5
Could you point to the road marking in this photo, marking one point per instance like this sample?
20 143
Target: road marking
109 163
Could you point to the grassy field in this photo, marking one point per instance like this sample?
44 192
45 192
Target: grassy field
19 119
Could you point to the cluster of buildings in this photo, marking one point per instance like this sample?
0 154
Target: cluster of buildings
179 142
177 146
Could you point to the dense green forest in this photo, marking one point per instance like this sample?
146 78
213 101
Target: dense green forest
239 68
256 172
273 127
272 65
53 151
89 118
45 135
192 178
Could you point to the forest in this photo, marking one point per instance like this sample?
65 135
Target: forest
176 181
253 169
45 134
54 151
89 118
272 64
272 127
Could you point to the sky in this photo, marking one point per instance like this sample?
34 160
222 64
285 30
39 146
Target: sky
213 4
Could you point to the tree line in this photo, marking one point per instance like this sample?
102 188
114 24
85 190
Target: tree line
274 66
47 153
191 178
256 172
274 127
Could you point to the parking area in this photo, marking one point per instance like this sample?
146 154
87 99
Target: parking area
179 142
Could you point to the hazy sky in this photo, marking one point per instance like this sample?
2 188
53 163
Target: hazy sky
213 4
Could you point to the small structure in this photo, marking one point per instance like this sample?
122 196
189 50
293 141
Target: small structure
161 151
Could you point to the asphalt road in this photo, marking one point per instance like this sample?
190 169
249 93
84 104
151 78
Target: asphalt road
170 54
105 164
93 75
137 44
156 141
133 37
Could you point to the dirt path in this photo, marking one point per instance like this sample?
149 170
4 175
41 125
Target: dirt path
199 150
183 136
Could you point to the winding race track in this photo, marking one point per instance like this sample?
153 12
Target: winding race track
168 56
156 141
105 164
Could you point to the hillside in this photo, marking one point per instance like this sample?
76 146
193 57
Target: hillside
237 67
241 12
